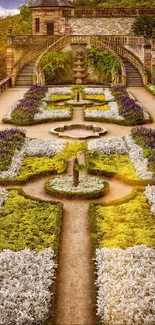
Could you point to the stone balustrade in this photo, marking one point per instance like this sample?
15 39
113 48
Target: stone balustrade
107 12
4 84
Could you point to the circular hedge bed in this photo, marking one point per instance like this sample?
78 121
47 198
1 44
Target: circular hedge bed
89 187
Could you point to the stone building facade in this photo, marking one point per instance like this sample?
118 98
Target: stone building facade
58 17
47 17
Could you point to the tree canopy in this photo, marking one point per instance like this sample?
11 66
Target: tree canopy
115 3
20 24
144 25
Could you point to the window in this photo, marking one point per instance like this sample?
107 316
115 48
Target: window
37 25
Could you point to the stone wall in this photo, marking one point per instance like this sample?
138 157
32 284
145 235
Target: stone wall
45 16
100 26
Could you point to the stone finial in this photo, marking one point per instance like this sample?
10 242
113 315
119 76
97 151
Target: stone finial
10 31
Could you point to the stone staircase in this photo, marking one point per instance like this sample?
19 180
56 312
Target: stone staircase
25 76
134 78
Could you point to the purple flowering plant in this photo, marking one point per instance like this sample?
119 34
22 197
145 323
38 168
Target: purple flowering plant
28 106
145 138
128 107
10 140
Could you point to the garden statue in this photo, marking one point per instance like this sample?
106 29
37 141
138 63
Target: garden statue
115 77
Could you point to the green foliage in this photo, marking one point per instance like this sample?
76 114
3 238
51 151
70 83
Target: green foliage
116 165
29 223
115 3
143 25
123 225
55 66
75 89
75 149
103 62
20 24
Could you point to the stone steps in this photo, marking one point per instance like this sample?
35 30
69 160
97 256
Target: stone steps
25 76
134 78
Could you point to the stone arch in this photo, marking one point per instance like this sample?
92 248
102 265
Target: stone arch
68 39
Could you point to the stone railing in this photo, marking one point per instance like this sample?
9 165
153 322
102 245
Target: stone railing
125 40
31 54
5 83
80 39
96 42
56 46
107 12
29 40
130 56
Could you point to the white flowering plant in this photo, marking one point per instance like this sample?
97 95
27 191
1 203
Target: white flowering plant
125 285
26 280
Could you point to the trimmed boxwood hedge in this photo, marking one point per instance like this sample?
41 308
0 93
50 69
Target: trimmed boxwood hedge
147 220
82 195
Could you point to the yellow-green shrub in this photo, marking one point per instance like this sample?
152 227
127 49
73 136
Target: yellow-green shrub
95 97
118 165
58 107
59 97
29 223
100 108
33 166
124 225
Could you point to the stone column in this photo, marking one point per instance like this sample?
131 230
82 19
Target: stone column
147 56
10 53
153 58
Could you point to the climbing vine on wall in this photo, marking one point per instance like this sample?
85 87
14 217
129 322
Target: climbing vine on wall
103 62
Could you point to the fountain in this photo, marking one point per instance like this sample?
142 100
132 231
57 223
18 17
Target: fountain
79 66
78 94
78 131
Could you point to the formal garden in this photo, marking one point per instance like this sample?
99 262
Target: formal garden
77 167
122 231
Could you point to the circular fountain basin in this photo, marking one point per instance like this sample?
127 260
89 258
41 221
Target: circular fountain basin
80 131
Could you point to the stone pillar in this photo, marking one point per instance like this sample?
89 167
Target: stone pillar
147 56
10 53
153 58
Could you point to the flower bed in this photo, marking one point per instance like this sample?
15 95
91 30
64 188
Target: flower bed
123 240
25 282
123 159
111 114
30 230
89 187
150 195
113 160
31 109
24 111
35 158
145 138
151 89
125 283
49 113
10 141
132 111
125 110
